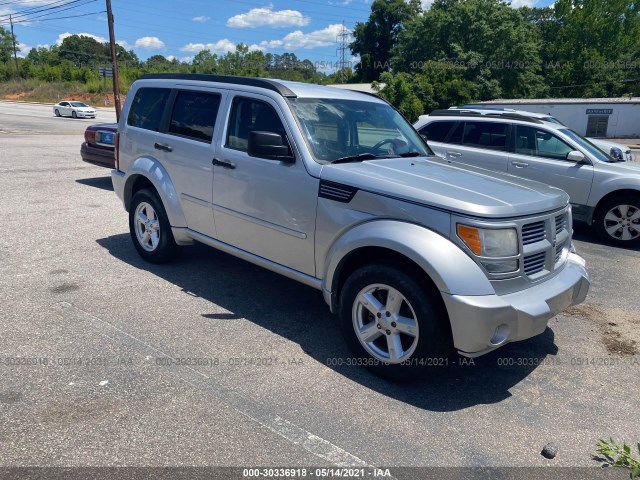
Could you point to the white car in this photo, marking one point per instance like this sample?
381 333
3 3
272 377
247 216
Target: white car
617 151
73 109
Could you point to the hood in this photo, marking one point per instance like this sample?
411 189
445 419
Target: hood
606 145
457 188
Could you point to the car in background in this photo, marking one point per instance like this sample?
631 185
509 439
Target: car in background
72 108
98 146
604 192
617 151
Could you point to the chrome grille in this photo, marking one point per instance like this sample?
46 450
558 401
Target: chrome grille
561 221
534 263
559 252
533 232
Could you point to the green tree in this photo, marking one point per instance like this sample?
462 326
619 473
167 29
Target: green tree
486 41
374 39
6 45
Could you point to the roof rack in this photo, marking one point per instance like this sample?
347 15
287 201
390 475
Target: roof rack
268 84
488 113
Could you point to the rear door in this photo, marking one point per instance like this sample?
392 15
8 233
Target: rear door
184 145
438 134
473 142
542 156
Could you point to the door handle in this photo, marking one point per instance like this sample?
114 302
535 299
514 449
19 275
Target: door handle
454 154
223 163
518 164
164 147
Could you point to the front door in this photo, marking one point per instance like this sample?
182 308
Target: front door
262 206
542 156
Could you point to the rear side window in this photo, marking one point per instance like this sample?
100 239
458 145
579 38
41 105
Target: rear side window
437 131
486 135
194 115
147 108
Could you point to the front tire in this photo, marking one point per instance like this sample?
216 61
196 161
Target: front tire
150 229
392 325
617 220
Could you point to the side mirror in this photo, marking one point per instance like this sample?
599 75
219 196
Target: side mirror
268 145
575 156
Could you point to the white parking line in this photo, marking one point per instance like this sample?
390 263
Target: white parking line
312 443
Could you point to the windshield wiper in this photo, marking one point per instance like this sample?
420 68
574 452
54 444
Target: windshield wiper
361 157
410 154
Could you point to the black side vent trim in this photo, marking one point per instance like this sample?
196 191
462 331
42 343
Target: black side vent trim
336 191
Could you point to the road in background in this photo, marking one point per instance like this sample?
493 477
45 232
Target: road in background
209 360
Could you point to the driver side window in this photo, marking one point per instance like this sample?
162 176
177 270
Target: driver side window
250 115
540 143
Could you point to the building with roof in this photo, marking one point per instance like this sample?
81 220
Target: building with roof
591 117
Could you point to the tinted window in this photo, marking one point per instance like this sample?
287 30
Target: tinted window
147 107
486 135
437 131
540 143
248 115
194 115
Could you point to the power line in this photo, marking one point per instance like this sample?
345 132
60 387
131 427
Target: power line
36 10
61 18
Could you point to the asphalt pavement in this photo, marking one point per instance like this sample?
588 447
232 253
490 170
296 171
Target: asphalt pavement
210 361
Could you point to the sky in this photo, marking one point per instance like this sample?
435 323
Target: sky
181 28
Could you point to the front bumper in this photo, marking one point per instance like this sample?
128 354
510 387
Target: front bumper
86 114
481 324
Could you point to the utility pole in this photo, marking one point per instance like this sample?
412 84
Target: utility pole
342 40
15 55
114 63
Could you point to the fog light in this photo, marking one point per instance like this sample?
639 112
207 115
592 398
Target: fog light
501 267
500 335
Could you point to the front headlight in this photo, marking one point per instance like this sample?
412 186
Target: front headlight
492 243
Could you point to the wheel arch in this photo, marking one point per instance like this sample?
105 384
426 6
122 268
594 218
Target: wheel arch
149 173
425 253
613 194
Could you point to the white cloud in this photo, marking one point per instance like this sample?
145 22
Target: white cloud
22 49
220 47
522 3
186 59
298 39
171 58
265 16
426 4
149 43
124 44
97 38
201 19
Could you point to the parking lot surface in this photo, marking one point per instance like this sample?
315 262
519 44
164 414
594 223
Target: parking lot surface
209 360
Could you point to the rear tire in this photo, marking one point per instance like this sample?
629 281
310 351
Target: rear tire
150 229
617 220
57 112
393 326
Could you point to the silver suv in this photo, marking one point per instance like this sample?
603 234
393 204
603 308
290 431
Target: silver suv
604 192
336 189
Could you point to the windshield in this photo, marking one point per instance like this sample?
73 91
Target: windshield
587 145
335 129
78 104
